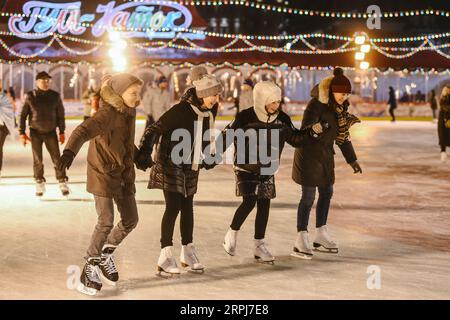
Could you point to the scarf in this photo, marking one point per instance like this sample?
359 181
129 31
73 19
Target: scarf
345 121
196 159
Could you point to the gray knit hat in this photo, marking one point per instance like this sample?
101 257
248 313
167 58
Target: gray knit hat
207 86
197 73
122 81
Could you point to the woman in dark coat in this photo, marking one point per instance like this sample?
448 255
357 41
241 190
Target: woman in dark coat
314 162
444 122
176 170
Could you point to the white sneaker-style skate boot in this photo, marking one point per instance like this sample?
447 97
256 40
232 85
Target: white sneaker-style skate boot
64 188
40 188
302 247
189 259
107 266
90 282
167 266
323 241
261 252
229 243
443 156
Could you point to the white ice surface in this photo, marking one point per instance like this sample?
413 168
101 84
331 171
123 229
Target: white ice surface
395 216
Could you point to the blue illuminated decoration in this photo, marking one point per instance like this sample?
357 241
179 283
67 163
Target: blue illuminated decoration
147 18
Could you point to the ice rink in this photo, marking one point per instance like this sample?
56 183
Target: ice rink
392 224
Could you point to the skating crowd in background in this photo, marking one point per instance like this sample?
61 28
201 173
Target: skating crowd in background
109 126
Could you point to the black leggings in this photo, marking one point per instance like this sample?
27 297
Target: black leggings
176 202
443 148
262 215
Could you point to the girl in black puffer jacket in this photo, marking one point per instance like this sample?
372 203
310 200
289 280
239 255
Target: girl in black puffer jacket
257 160
177 173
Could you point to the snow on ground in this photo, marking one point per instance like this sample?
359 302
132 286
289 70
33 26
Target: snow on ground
395 219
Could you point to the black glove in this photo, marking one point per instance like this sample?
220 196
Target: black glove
142 161
356 167
65 161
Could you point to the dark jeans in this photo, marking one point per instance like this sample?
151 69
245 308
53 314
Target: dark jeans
3 133
51 143
262 215
176 202
104 232
306 203
391 112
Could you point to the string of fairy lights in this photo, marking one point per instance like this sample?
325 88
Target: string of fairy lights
306 12
426 45
149 47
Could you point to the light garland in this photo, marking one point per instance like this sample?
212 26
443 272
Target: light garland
307 12
288 68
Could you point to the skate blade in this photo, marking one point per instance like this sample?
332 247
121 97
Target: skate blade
86 290
166 275
259 260
106 280
229 253
189 269
301 255
321 248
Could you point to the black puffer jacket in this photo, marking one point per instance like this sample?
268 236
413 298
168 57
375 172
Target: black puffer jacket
314 161
165 174
45 112
248 121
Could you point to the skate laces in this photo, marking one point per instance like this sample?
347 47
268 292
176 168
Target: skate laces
264 249
91 273
193 255
109 264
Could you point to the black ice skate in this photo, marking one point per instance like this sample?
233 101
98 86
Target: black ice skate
107 266
90 282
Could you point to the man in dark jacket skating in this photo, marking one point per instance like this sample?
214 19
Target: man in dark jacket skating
45 112
314 162
110 174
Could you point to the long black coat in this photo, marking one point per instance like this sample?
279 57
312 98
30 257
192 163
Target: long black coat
444 115
314 161
165 174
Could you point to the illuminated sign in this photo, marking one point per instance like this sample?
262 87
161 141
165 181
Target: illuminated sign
146 19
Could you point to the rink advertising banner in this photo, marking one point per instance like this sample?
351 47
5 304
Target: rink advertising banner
153 19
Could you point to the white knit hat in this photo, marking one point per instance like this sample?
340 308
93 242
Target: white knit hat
207 86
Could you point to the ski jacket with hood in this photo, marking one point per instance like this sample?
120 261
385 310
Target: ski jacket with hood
110 166
314 161
260 128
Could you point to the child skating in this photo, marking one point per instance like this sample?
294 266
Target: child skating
178 178
255 180
110 175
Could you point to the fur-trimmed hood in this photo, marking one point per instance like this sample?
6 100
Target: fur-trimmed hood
111 98
321 91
